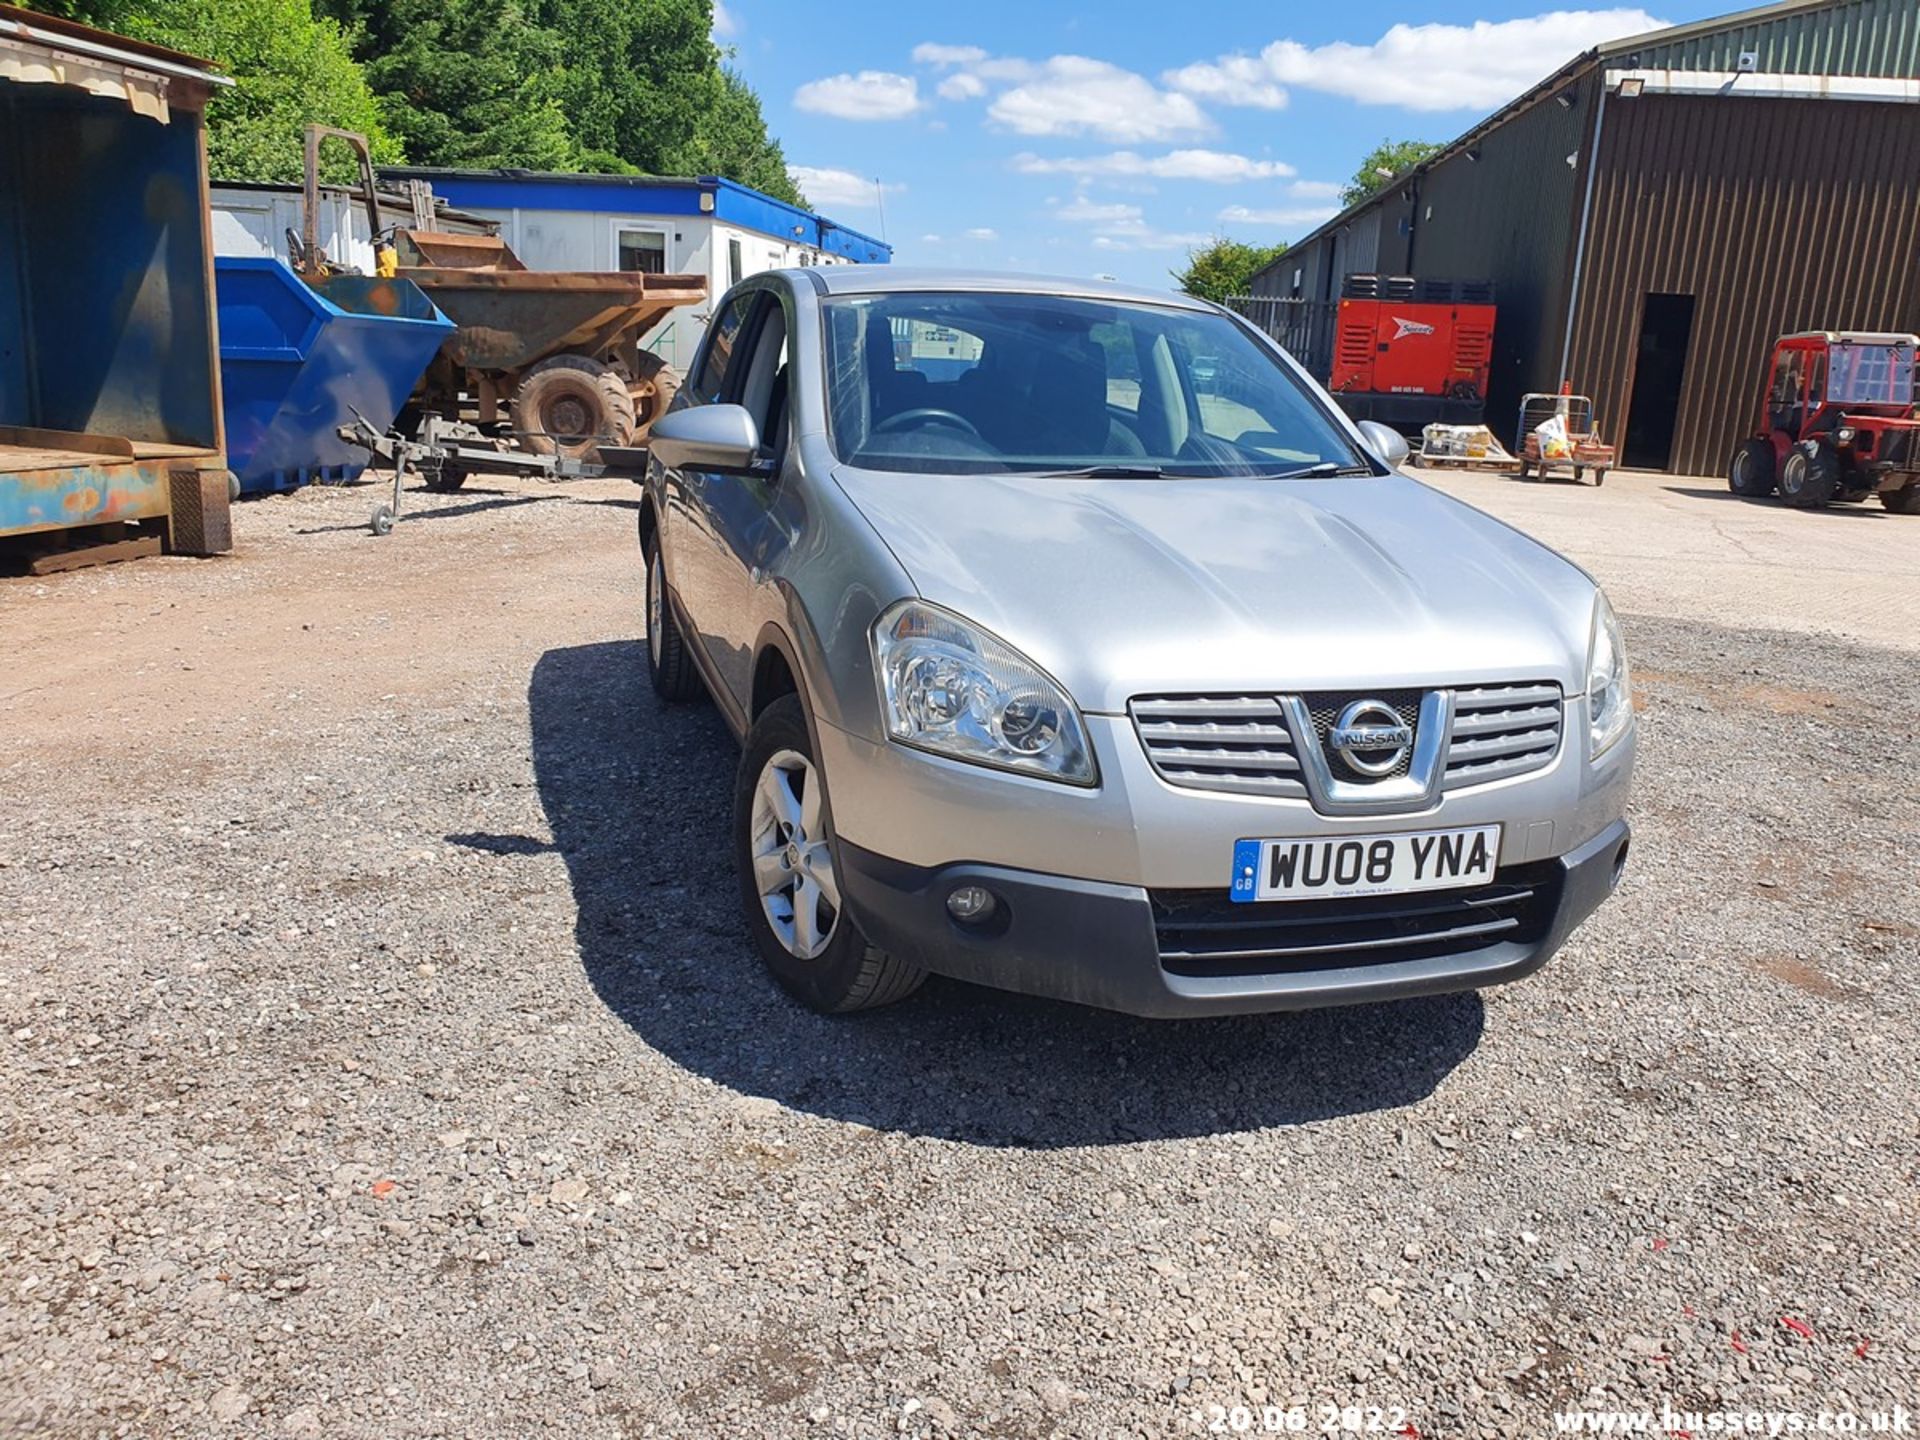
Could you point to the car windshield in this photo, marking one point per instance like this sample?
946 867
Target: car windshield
1871 374
993 383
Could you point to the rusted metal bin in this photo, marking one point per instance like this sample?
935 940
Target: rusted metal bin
110 422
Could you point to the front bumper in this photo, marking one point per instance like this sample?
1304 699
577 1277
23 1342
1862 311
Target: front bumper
1123 947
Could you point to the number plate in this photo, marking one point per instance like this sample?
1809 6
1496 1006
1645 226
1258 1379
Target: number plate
1346 865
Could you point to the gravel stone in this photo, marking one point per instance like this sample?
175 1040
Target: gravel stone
362 916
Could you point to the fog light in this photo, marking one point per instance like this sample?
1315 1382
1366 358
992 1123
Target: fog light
970 904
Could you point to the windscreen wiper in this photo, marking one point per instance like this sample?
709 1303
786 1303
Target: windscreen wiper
1100 472
1325 467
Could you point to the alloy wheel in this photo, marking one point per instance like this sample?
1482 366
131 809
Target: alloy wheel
792 859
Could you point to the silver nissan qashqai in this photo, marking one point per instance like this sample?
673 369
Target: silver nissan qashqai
1080 646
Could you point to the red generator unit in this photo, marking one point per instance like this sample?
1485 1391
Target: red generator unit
1410 353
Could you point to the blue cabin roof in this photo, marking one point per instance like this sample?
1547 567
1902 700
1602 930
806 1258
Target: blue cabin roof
647 195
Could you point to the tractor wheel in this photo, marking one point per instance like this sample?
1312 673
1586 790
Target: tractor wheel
652 391
1811 476
570 404
1751 471
1903 502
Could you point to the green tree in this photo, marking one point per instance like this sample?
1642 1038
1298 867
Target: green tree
730 138
1386 161
1224 268
470 83
609 86
288 68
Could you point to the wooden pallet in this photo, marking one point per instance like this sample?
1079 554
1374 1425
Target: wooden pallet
1485 464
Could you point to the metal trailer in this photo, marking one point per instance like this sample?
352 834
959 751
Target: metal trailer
111 443
1587 452
441 444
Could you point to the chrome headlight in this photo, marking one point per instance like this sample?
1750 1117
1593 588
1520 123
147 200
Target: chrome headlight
950 687
1609 686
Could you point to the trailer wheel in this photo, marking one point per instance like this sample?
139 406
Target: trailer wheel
445 480
1750 472
569 404
652 390
1903 502
1811 475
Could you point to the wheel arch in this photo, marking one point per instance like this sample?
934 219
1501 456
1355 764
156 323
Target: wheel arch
780 668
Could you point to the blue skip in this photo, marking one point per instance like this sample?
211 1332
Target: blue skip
297 361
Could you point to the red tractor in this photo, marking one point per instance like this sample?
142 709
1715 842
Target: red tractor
1839 423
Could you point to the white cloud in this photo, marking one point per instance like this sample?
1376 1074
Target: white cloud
1294 216
1416 67
870 95
1315 189
1216 166
931 53
983 232
842 188
1122 227
1230 80
931 240
962 85
1091 212
725 23
1075 95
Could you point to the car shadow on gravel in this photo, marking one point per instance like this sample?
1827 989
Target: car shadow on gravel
636 796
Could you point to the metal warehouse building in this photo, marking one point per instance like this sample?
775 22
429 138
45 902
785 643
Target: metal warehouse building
1657 211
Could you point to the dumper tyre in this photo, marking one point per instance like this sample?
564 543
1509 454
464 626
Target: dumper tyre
1810 477
1750 472
652 390
569 405
1904 501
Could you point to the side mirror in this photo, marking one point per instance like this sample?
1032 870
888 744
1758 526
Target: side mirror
1386 442
706 437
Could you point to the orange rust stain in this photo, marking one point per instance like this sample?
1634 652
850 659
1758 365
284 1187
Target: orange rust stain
81 502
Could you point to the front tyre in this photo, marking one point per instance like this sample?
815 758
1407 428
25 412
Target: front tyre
1810 477
669 666
786 856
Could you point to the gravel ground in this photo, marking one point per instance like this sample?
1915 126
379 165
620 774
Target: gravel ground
382 1055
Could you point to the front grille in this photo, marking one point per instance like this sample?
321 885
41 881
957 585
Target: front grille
1326 707
1238 743
1502 730
1204 933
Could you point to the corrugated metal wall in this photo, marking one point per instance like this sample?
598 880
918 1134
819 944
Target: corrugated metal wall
1866 37
1777 215
1509 217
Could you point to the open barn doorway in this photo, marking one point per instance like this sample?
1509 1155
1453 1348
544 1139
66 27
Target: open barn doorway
1666 329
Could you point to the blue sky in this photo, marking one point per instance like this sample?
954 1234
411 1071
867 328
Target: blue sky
1106 139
